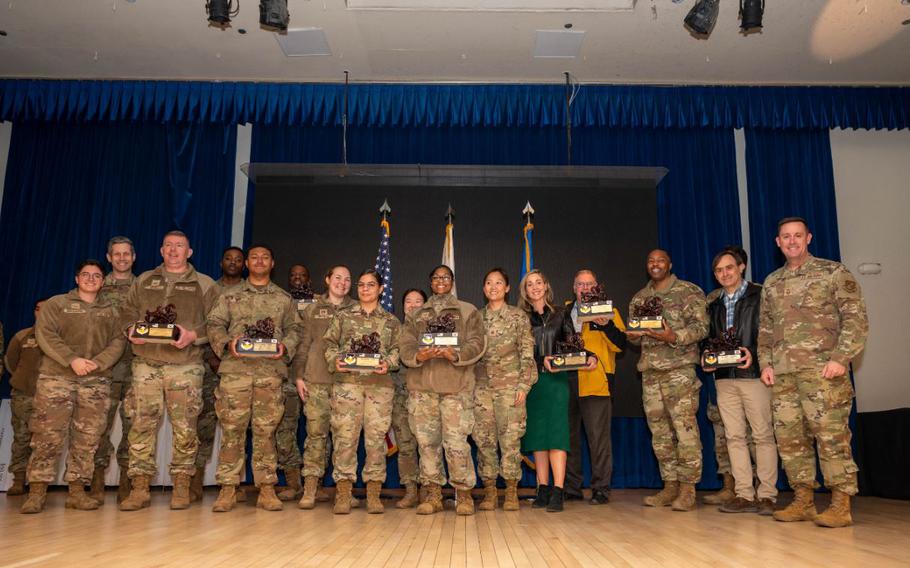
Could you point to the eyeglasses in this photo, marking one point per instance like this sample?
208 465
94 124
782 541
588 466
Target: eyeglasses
91 275
441 278
367 285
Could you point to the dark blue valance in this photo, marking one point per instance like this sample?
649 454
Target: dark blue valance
407 105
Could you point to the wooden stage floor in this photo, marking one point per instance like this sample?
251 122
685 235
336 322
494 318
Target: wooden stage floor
622 533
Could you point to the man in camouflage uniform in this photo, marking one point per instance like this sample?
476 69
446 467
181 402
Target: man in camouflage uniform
669 384
167 375
81 339
314 381
250 388
121 255
812 324
232 260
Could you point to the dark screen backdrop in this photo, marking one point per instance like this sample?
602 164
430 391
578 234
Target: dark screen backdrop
610 230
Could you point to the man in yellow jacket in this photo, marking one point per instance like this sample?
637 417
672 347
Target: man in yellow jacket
590 404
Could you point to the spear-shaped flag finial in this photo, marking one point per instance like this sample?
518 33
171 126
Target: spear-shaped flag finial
450 213
385 210
528 211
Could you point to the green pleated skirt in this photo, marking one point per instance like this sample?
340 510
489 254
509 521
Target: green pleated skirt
548 414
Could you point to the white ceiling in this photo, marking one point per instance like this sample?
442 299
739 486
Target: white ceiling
803 42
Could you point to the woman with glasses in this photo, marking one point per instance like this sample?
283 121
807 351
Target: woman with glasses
441 391
361 399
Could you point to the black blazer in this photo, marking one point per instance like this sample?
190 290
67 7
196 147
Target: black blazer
745 320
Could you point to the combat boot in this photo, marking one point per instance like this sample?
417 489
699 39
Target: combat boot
342 498
374 502
123 486
240 494
97 487
79 499
432 502
18 486
180 497
511 501
197 485
801 509
664 497
685 501
838 514
267 499
308 501
322 496
293 490
37 495
725 494
490 495
226 499
464 502
411 497
139 497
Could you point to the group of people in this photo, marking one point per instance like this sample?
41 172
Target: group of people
493 379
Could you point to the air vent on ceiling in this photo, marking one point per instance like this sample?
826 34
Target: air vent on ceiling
302 42
558 43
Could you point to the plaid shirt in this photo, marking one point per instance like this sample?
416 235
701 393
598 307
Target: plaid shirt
730 301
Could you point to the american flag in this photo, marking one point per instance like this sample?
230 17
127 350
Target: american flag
384 267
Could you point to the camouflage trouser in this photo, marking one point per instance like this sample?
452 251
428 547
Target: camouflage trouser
120 389
21 406
404 437
444 421
286 434
207 421
670 402
498 422
157 386
720 440
807 407
241 400
318 410
354 408
74 406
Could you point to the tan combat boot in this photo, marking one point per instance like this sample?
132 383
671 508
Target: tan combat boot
411 497
838 514
123 486
308 501
267 499
97 487
197 485
322 496
139 495
511 500
79 499
226 499
685 501
293 490
240 494
464 503
725 494
180 497
374 502
801 509
37 495
342 498
432 502
490 496
664 497
18 486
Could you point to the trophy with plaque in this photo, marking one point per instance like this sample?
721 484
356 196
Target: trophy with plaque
364 354
303 296
570 354
159 326
723 351
440 332
258 340
648 315
594 304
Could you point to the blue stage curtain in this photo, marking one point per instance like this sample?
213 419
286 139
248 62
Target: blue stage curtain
789 173
70 187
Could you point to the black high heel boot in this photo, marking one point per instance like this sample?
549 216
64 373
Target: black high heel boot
543 497
556 500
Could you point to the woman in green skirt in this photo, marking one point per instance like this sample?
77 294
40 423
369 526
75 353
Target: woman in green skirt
547 432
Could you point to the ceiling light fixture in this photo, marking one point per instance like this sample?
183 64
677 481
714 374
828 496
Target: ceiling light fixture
221 11
750 13
702 17
273 15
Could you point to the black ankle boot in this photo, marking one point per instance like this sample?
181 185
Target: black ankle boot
543 497
556 499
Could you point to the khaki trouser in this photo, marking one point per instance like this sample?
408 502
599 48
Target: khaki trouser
746 403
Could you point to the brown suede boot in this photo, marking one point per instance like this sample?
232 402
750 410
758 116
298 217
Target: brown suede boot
293 490
18 486
180 497
37 495
511 501
685 501
267 499
139 497
123 486
79 499
197 485
97 486
411 497
490 496
801 509
432 502
725 494
838 514
226 499
464 502
374 502
342 497
664 497
308 501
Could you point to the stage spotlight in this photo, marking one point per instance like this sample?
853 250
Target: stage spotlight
702 16
273 15
750 12
221 11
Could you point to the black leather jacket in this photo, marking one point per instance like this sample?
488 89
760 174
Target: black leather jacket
745 320
548 328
